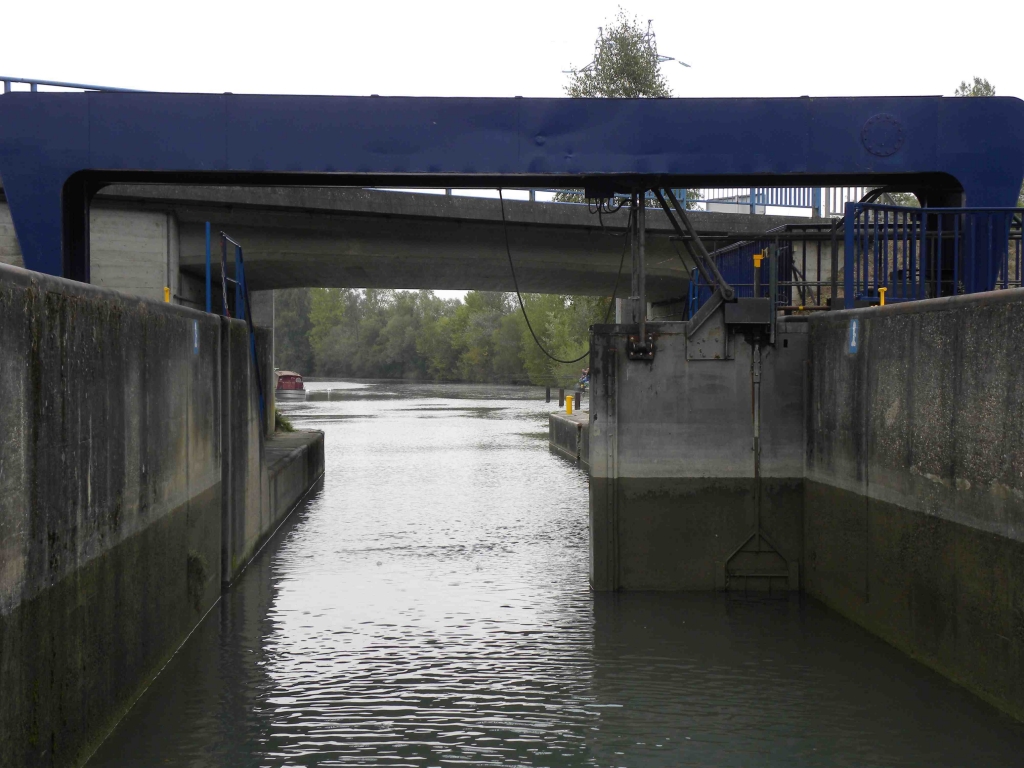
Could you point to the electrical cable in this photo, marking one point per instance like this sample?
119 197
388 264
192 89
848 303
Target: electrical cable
515 282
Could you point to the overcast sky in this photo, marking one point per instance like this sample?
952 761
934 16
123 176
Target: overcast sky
482 48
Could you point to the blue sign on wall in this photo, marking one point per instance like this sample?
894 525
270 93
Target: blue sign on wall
854 336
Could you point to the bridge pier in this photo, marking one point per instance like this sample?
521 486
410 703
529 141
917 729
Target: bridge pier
677 500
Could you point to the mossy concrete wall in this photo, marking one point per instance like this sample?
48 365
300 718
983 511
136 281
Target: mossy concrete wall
117 417
914 491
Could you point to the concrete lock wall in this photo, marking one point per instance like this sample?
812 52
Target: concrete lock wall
131 445
914 493
674 501
891 478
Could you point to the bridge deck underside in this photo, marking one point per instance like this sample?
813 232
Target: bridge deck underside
378 239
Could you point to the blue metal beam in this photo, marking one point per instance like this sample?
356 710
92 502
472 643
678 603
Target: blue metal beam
57 149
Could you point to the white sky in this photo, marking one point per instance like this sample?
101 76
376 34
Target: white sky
516 47
513 48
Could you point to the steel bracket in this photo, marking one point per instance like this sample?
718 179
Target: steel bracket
637 350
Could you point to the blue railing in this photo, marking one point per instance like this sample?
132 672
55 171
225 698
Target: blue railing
738 265
920 253
242 306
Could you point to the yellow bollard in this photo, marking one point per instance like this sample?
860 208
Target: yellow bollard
167 294
757 260
568 404
881 296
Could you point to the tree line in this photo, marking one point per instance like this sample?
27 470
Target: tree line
350 333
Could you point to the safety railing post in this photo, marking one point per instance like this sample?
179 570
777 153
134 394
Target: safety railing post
239 306
849 260
224 275
209 297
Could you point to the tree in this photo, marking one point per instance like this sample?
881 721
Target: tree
982 87
979 87
292 350
625 64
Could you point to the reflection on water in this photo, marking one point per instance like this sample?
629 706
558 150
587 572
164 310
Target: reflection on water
429 606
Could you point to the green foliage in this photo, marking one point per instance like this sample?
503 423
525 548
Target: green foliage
292 350
905 199
282 423
978 87
416 335
625 64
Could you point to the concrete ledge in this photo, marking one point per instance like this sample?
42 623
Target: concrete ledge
295 461
569 436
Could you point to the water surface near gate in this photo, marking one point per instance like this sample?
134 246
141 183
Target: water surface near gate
428 605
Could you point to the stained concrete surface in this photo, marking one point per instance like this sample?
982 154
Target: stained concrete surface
113 500
673 487
569 435
915 482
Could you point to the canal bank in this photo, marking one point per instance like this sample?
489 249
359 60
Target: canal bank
137 480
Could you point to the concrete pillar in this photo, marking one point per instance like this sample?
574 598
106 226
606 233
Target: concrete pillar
675 500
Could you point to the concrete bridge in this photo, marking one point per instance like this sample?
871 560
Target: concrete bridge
145 237
869 458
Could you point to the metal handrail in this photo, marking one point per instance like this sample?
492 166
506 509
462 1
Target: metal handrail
34 84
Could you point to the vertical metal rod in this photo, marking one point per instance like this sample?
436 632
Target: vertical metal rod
923 256
224 275
834 278
773 285
886 242
635 262
642 296
849 262
875 244
239 307
755 382
209 297
803 267
906 253
956 254
938 259
969 277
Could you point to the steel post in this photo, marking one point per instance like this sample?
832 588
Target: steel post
642 267
634 291
209 296
239 306
224 275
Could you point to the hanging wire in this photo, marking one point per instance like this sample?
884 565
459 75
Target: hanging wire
515 282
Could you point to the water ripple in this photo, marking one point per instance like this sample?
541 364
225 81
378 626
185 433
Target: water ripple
430 607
